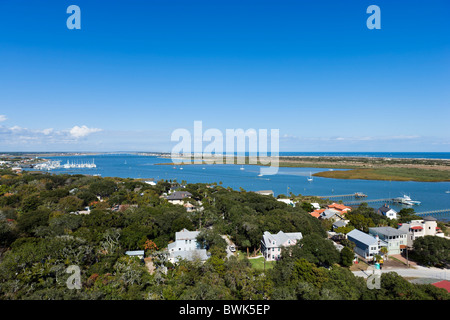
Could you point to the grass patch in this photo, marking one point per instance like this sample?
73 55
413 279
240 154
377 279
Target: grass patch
394 174
258 263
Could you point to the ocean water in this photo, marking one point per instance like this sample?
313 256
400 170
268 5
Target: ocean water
432 195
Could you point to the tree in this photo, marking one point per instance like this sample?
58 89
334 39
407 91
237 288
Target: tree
347 256
432 251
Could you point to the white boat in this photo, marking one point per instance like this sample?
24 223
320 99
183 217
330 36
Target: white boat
242 168
310 177
405 199
448 191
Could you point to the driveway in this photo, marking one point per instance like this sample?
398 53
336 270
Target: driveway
229 243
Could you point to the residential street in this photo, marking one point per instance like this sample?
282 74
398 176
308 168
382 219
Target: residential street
417 272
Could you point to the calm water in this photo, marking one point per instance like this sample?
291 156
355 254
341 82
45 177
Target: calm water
431 194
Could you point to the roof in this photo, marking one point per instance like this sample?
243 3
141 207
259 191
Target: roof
385 209
445 284
179 195
327 214
387 231
362 237
186 235
190 254
135 253
416 228
340 223
339 206
429 218
280 238
316 213
264 192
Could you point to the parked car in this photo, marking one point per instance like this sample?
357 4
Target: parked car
232 249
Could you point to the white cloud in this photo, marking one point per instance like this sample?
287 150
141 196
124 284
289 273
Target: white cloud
78 132
47 131
3 118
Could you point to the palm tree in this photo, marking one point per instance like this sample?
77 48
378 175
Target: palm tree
384 251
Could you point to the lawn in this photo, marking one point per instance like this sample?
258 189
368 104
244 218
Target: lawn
257 263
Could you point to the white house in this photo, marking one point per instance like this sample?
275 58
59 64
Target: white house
186 247
271 244
420 228
395 238
387 212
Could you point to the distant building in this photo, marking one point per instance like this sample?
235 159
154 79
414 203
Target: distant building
340 224
395 238
315 205
387 212
366 245
420 228
152 183
316 213
271 244
331 215
342 209
186 247
265 192
136 253
178 196
287 201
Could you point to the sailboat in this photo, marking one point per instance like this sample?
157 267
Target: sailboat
242 168
310 177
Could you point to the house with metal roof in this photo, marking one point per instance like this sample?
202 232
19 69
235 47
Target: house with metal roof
395 238
271 244
366 245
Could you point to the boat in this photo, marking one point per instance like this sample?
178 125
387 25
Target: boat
405 199
242 168
448 191
310 177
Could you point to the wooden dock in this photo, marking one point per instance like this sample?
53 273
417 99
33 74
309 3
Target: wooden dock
433 212
358 202
345 196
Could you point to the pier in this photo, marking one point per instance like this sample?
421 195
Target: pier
345 196
358 202
433 212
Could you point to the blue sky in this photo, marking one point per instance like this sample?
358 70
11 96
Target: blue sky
137 70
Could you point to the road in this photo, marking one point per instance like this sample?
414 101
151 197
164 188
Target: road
417 272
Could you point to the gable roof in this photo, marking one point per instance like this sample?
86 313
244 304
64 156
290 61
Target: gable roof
327 214
185 234
280 238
